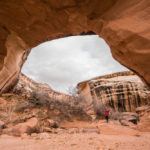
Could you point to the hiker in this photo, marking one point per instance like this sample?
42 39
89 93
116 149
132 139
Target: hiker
106 114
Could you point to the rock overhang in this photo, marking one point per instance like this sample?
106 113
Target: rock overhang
123 24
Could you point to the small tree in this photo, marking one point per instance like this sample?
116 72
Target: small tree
72 90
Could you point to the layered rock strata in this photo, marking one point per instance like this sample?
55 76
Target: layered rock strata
27 87
26 23
42 95
122 91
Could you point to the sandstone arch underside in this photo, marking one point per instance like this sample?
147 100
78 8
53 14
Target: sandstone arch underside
125 25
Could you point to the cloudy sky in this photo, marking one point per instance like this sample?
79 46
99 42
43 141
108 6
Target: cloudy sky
62 63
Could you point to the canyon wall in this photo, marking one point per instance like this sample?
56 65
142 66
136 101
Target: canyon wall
26 23
28 87
123 91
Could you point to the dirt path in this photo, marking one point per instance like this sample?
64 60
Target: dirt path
111 137
84 141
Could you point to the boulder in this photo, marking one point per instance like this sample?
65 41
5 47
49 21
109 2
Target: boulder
126 123
28 127
129 117
142 110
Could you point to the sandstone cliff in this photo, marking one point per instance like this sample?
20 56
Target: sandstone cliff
30 99
26 23
26 87
122 91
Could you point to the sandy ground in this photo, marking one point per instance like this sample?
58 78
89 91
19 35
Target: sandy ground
111 136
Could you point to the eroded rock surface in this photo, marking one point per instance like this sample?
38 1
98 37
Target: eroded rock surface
28 87
123 91
26 23
26 127
35 107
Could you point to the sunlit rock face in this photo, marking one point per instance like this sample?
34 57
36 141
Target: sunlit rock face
26 23
28 88
122 91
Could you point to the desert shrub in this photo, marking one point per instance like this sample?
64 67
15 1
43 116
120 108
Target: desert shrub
99 110
39 99
67 112
58 109
36 99
33 130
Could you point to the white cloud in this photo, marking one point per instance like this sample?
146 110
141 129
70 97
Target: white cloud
67 61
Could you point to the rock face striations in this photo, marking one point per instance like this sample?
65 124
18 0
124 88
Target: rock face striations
122 91
27 87
26 23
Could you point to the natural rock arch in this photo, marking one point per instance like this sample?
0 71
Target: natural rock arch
26 23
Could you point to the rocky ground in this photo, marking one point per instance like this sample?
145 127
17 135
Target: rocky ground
80 136
32 128
30 119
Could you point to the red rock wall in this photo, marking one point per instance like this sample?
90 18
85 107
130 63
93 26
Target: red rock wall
122 91
26 23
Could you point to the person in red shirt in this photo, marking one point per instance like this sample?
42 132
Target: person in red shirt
106 114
